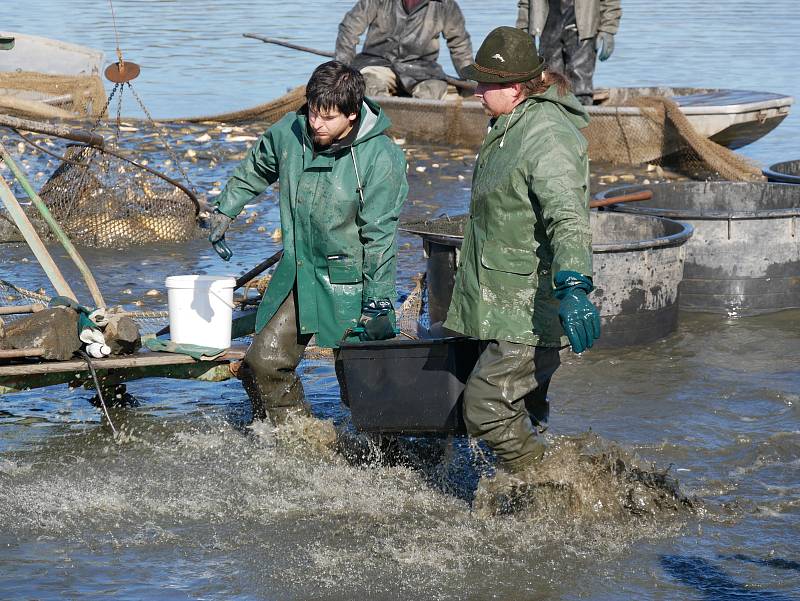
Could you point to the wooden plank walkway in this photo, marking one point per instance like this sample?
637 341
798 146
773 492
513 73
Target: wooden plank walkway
145 364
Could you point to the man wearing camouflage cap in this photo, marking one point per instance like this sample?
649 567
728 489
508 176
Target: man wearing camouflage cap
526 261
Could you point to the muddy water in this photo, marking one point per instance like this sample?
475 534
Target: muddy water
190 503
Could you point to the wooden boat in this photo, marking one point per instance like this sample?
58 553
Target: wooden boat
619 131
623 129
46 78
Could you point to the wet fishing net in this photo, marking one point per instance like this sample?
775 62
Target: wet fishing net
66 95
103 199
269 112
655 130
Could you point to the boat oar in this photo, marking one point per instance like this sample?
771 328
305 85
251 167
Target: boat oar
633 197
244 278
458 83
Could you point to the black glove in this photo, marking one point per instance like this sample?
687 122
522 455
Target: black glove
377 316
579 317
218 224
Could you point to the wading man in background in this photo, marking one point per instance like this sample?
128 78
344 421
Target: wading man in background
572 34
526 261
401 50
342 185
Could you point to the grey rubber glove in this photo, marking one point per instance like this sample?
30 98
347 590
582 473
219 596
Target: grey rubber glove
218 224
604 45
579 317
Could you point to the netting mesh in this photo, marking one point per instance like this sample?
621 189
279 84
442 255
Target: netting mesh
661 134
270 111
106 201
77 94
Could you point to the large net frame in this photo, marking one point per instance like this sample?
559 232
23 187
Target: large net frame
103 199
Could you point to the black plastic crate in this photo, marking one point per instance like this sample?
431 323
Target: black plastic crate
406 386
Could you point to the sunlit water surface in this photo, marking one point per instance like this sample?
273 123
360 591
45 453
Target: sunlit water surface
189 503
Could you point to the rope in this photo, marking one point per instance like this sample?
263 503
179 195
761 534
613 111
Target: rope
98 387
116 33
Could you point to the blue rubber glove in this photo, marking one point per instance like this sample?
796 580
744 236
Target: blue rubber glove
604 45
579 317
219 223
377 317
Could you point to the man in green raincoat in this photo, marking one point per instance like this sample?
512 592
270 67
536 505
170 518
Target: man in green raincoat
526 261
342 185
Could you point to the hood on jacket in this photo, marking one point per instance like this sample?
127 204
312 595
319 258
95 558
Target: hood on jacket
573 109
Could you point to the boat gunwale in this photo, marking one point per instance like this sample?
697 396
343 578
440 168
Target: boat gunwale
708 109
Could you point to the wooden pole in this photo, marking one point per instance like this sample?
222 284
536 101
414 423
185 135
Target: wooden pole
459 83
634 197
50 129
21 353
34 242
62 237
33 107
20 309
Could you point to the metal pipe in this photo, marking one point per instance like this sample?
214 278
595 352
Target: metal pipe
50 129
62 237
34 242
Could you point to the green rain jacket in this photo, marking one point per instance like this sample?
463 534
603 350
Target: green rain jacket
529 219
338 250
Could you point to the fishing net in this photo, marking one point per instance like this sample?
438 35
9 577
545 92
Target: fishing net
270 111
74 94
659 133
103 199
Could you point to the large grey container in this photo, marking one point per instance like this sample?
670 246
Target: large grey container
744 257
638 265
786 172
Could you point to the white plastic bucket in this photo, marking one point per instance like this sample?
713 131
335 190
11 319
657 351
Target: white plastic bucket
200 309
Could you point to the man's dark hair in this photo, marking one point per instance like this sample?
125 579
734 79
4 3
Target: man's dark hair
334 85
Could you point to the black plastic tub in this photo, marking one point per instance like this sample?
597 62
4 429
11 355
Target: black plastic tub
786 172
404 386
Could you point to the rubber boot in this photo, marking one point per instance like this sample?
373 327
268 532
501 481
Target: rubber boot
268 369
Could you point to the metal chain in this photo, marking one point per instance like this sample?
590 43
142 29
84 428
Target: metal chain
105 108
167 147
119 111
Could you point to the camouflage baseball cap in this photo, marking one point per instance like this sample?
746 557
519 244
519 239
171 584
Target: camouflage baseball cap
507 55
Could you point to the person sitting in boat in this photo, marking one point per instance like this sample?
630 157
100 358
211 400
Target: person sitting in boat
572 33
401 49
526 261
342 185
